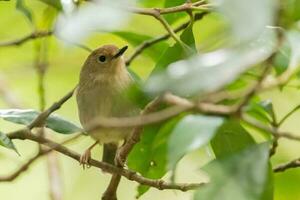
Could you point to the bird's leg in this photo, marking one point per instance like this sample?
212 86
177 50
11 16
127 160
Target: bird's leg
85 157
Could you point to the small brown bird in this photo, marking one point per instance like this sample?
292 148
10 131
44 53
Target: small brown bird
100 93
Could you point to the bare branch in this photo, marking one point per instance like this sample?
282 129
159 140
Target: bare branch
274 131
32 36
289 165
148 43
161 11
130 175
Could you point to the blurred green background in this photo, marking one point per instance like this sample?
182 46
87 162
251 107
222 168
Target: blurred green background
18 75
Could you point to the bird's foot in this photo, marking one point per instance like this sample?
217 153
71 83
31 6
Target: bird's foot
85 158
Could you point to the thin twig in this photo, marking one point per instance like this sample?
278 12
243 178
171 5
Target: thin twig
288 115
148 43
274 131
32 36
285 166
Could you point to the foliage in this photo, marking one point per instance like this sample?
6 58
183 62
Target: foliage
220 97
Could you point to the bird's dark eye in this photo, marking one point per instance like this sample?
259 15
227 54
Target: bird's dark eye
102 58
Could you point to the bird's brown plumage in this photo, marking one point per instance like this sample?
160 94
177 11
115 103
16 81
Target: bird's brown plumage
100 93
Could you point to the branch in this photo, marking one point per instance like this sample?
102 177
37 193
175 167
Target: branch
136 133
32 36
285 166
161 11
158 12
130 175
274 131
25 166
159 116
288 115
123 152
40 119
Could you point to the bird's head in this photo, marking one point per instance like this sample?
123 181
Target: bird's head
104 62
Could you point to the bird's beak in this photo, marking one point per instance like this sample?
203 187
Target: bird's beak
120 52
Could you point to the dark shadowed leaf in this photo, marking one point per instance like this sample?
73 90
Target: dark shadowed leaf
242 176
6 142
230 138
24 9
149 156
53 122
191 133
176 52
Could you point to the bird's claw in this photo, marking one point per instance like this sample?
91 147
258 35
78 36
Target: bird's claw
85 158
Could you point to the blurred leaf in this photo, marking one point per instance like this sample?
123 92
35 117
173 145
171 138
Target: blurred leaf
172 17
24 9
290 12
260 110
54 3
230 138
176 52
136 39
294 40
199 73
242 14
98 16
53 122
61 125
149 156
6 142
49 17
191 133
240 176
249 47
282 58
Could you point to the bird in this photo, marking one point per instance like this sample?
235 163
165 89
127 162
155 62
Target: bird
103 81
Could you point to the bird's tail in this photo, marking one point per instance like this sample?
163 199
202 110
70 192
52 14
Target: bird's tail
109 152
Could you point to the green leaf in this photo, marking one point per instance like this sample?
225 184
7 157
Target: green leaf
247 48
282 58
230 138
61 125
136 39
6 142
191 133
149 156
54 3
172 17
23 8
176 52
261 110
241 176
233 138
53 122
